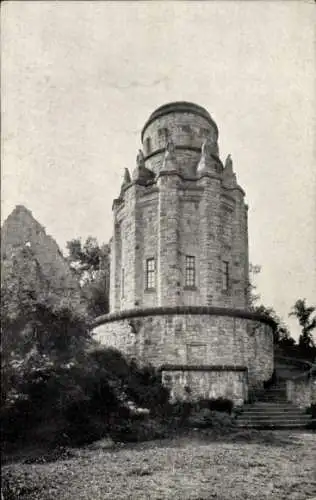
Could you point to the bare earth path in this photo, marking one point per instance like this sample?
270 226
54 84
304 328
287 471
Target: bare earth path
280 467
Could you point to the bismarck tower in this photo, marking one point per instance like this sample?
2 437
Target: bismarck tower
179 263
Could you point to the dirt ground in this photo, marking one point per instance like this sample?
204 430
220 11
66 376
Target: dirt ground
266 465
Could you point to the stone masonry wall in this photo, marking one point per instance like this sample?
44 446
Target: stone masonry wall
147 249
189 244
187 161
207 384
168 221
300 392
195 340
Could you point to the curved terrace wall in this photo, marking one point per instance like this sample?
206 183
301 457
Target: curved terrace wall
213 351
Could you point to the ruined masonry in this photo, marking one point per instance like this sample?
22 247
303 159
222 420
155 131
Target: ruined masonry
179 264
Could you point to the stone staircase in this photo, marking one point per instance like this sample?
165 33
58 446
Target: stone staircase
272 411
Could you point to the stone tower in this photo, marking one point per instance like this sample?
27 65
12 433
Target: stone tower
180 223
179 262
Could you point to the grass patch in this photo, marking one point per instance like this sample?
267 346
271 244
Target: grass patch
193 466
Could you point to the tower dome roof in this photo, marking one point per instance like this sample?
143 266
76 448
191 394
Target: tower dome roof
179 107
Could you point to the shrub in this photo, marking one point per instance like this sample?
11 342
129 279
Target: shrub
87 399
219 404
311 410
17 420
176 414
74 401
198 414
136 431
312 425
200 419
144 386
141 385
205 418
222 422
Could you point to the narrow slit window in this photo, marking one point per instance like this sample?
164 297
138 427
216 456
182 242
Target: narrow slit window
150 274
123 283
190 271
225 273
148 145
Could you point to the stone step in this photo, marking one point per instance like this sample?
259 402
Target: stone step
273 397
276 396
281 414
272 407
289 403
281 402
271 404
272 422
270 397
275 386
284 425
245 416
274 413
276 402
279 387
268 401
274 418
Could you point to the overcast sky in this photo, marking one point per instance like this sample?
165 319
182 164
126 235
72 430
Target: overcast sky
79 80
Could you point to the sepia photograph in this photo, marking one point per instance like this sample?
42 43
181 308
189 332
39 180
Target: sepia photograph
158 250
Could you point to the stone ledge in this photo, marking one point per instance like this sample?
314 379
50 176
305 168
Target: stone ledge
182 310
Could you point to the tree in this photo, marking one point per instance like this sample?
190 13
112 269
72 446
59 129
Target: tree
39 327
253 297
307 321
91 262
281 335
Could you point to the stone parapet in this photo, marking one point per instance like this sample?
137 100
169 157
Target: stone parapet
194 339
200 310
